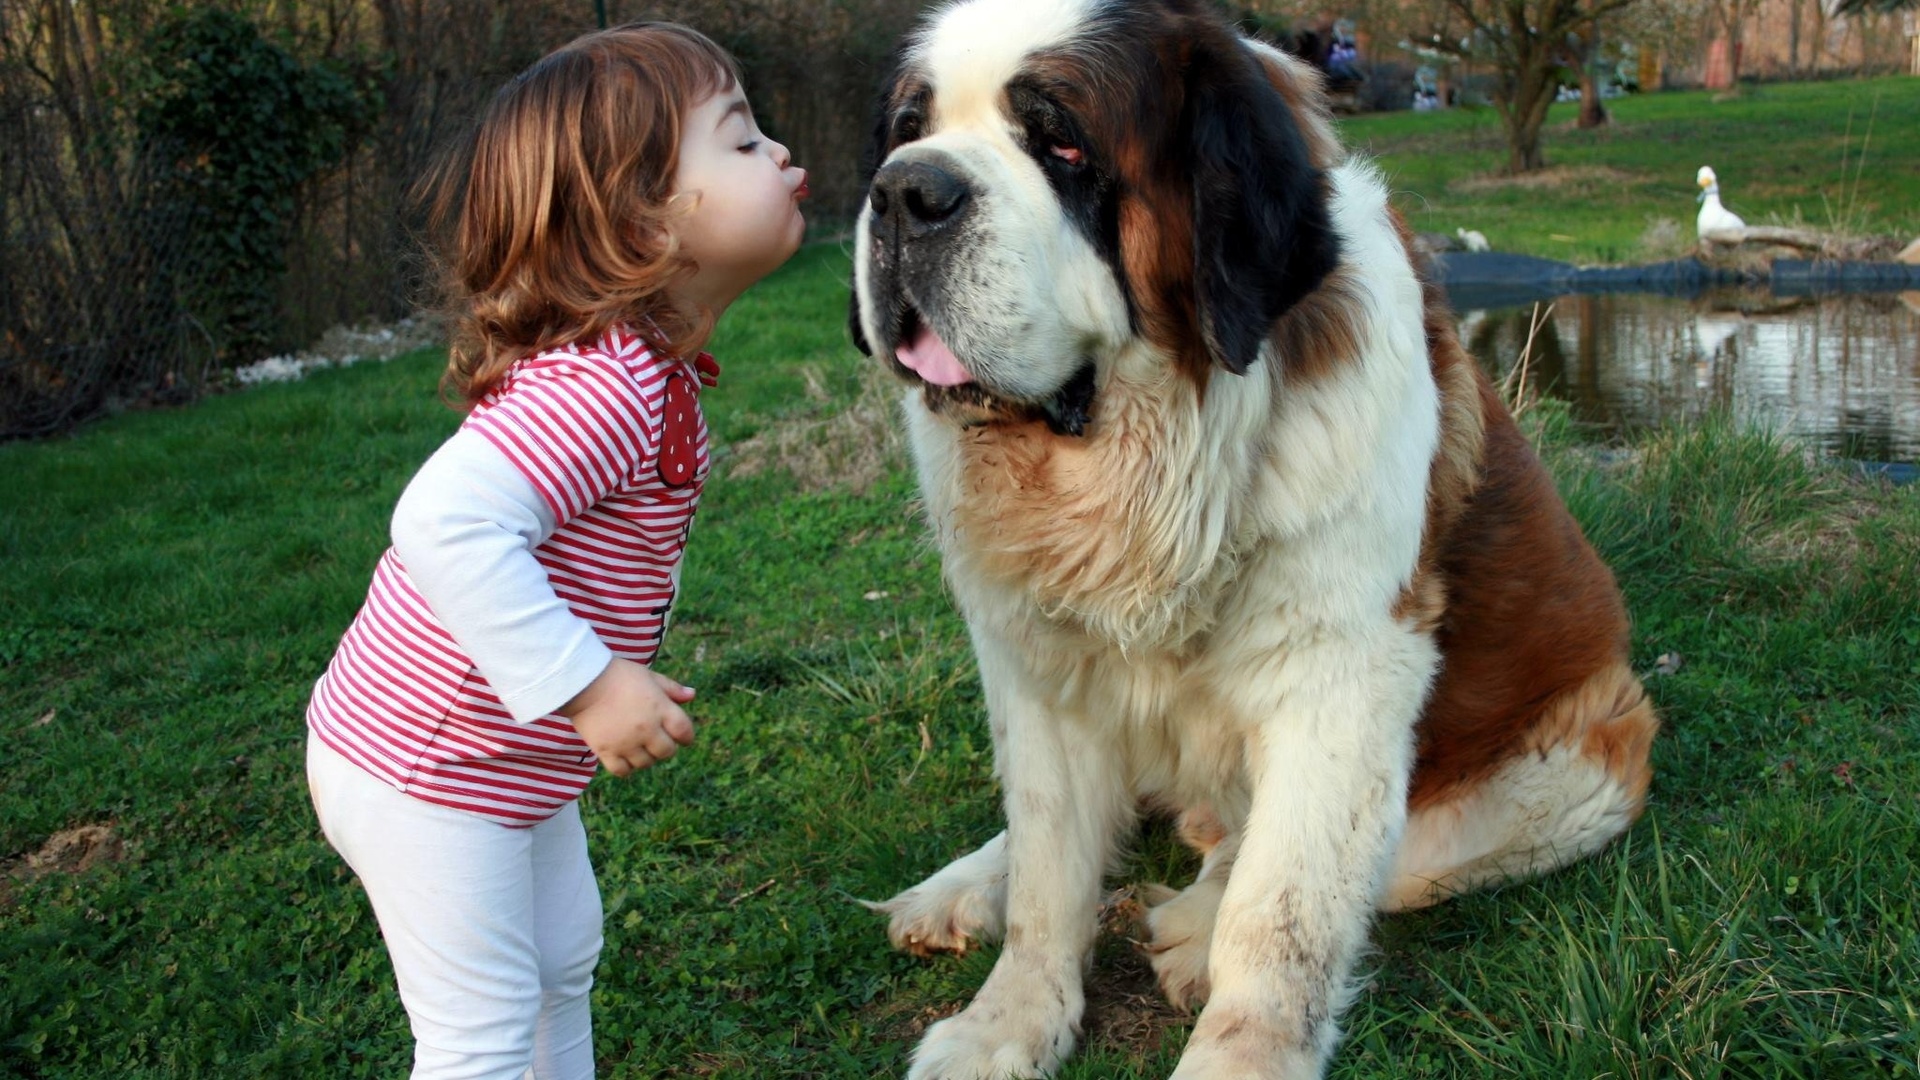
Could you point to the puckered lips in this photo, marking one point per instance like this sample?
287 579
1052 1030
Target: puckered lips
950 389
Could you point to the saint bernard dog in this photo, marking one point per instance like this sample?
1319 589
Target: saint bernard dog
1239 531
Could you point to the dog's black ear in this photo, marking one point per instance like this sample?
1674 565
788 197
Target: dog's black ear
880 132
1262 239
853 320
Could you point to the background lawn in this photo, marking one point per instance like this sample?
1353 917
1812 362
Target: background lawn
176 580
1829 155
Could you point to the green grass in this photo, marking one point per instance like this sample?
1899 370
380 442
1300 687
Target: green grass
1788 151
176 580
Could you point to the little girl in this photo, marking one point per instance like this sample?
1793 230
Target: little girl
615 198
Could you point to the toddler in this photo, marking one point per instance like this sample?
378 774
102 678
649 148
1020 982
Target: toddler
614 200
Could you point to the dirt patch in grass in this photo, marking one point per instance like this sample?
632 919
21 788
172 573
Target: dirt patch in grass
69 851
1125 1008
1558 178
903 1026
838 445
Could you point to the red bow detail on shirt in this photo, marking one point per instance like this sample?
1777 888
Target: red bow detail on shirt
709 369
679 431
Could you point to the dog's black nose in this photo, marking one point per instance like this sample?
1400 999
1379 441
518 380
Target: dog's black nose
920 195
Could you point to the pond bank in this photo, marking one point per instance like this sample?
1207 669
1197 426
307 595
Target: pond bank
1497 279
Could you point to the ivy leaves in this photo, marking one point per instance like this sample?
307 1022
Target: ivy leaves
241 124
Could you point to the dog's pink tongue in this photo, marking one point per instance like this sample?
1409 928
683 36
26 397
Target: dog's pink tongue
930 358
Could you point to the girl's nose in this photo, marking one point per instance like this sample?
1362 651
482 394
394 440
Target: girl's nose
782 155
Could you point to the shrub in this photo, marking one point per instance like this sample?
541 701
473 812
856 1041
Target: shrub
245 124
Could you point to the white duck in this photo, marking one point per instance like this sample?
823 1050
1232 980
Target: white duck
1714 218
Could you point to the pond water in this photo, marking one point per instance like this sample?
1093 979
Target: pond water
1840 373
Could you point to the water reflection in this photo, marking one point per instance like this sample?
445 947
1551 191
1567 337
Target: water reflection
1841 373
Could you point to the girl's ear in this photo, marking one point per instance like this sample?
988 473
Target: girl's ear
663 229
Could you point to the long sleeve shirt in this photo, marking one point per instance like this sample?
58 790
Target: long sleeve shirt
539 542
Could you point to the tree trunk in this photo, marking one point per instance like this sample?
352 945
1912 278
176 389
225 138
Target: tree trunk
1734 26
1817 36
1793 38
1592 113
1523 147
1525 113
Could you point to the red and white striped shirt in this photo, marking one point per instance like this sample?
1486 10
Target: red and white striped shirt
535 593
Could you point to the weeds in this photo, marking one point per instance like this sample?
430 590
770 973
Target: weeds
1848 218
1513 386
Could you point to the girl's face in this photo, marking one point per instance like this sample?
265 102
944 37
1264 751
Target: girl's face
747 220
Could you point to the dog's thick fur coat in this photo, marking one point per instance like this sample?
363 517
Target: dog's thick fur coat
1238 528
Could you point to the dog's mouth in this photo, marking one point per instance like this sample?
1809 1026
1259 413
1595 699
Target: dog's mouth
951 389
922 352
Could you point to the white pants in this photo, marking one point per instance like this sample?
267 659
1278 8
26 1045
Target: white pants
493 932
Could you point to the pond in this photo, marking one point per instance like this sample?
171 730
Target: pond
1840 373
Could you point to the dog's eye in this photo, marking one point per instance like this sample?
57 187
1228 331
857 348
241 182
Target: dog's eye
906 127
1069 154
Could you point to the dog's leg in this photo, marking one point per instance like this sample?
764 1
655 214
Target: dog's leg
1580 784
965 902
1180 925
1329 758
1065 798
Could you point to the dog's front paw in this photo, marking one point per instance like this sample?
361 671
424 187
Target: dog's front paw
1179 939
926 920
996 1040
963 903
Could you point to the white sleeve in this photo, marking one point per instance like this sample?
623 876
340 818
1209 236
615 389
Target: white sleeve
465 530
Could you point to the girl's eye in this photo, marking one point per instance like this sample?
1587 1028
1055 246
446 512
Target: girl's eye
749 146
1069 154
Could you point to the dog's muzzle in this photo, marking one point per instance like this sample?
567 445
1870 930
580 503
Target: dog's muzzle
920 208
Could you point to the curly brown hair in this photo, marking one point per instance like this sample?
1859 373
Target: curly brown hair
554 219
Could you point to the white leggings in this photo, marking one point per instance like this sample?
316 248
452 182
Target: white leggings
493 932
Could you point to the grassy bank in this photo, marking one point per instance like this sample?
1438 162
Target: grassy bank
176 580
1841 155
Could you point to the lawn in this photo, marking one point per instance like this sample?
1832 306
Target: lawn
177 579
1829 155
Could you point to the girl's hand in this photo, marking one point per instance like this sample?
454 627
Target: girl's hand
630 716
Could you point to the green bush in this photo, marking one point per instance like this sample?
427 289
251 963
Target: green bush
243 124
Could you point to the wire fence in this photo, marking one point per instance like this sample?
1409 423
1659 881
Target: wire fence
98 252
92 264
102 303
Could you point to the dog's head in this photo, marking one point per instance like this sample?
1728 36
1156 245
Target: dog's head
1051 180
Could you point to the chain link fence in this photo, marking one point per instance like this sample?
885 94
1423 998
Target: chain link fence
92 258
97 276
